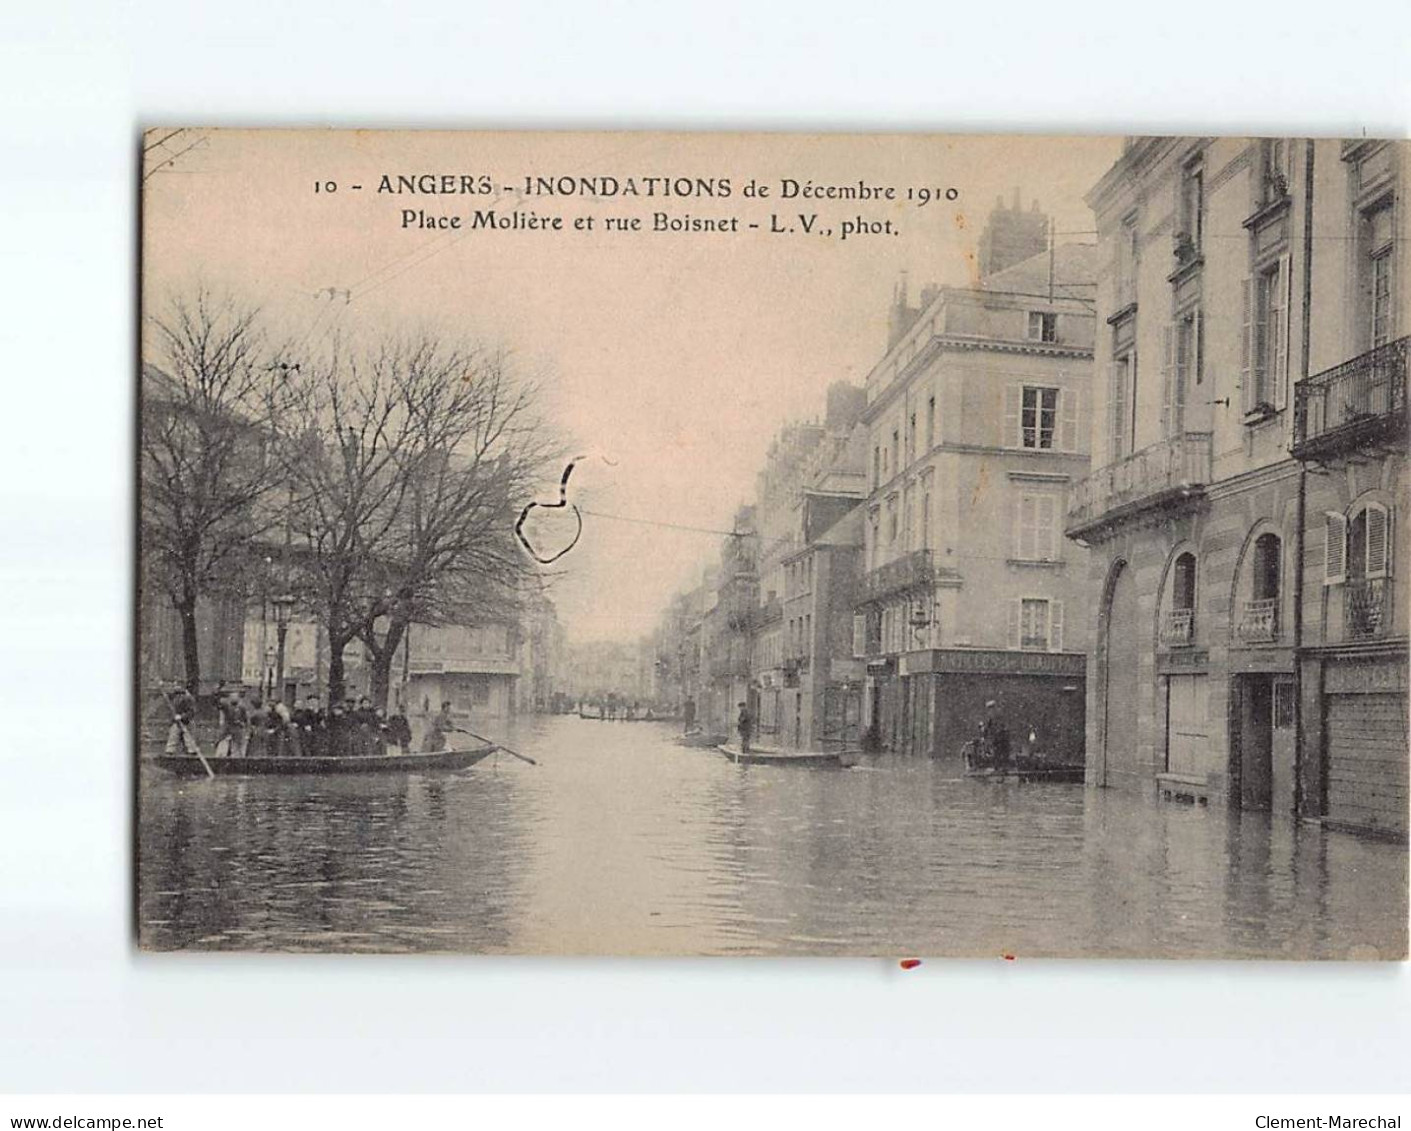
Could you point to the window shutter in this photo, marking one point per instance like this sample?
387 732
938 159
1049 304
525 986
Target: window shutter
1046 528
1376 542
1068 413
1013 438
1168 379
1055 626
1249 395
1025 548
1194 364
1014 610
1116 408
1284 323
1334 549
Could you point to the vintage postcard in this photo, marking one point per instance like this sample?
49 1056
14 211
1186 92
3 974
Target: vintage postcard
769 544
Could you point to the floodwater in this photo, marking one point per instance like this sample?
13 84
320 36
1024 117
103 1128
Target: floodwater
621 842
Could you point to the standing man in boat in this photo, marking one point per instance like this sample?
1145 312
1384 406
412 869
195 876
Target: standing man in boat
745 725
399 729
234 727
996 735
441 726
180 740
308 728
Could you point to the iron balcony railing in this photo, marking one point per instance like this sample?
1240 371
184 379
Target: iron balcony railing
1260 622
1175 467
1178 628
910 571
1366 608
1360 402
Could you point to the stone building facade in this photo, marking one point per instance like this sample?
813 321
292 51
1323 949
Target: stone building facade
1248 309
977 418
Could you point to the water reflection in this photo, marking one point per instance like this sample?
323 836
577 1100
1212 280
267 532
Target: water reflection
621 842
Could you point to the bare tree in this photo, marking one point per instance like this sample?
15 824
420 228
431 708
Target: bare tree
206 471
475 450
342 446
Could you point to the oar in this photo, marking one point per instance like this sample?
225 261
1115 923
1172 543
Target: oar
189 737
497 745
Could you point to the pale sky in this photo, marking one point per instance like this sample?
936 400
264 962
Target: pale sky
677 356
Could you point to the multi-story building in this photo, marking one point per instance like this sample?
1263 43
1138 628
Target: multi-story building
1249 454
473 667
822 681
977 431
813 475
542 646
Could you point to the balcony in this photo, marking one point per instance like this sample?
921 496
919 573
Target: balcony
1259 623
908 572
1366 608
766 614
1354 406
1173 471
1178 628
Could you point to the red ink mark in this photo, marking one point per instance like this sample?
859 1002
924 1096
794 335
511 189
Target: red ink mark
1007 957
910 963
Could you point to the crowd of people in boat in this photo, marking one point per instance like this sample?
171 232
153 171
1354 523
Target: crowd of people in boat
250 727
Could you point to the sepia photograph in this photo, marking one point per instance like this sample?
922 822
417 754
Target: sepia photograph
772 544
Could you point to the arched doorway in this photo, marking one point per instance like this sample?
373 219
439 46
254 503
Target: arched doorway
1120 677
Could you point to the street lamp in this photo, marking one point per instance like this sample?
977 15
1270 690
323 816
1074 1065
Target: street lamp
283 607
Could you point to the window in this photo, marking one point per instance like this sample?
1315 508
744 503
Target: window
1266 311
877 466
926 520
1192 211
1183 584
1043 326
1033 625
1377 243
1267 553
892 520
1182 371
896 449
1036 625
1128 247
1122 387
911 438
1367 551
1039 415
908 521
1036 529
931 422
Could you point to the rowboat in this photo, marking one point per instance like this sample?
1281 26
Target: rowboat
1022 767
700 740
772 757
189 765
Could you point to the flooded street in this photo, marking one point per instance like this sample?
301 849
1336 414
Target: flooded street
620 841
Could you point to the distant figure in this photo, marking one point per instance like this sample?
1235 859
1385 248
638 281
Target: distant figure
441 726
996 735
183 715
688 712
745 725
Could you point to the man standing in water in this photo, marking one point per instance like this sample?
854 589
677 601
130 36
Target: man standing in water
745 725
